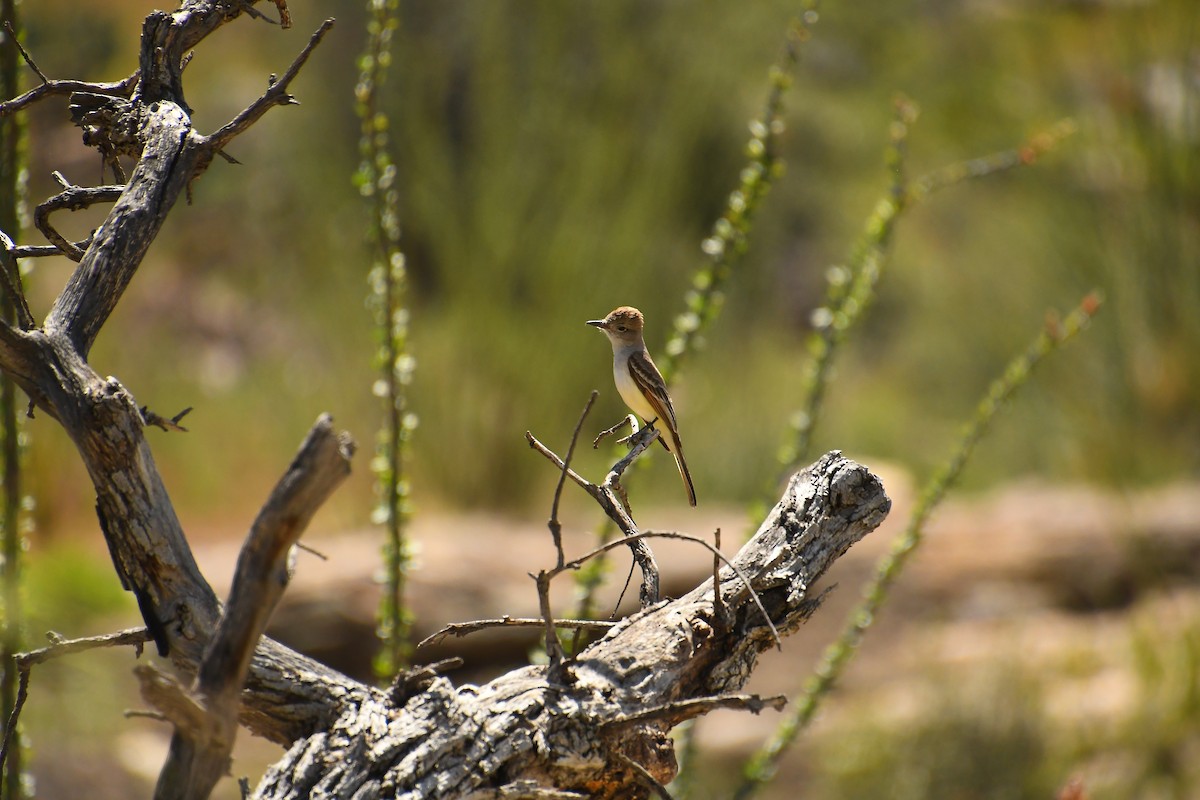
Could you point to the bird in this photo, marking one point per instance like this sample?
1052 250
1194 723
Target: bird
640 384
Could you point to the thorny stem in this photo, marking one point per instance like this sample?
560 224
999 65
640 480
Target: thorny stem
761 767
376 181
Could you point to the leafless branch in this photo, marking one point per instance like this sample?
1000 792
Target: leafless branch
554 525
72 198
10 273
172 424
276 94
206 718
65 647
461 629
684 537
24 662
24 53
681 710
607 495
121 88
718 603
629 421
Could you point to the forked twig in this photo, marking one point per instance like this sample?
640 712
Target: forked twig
158 421
578 562
24 662
72 198
630 420
610 501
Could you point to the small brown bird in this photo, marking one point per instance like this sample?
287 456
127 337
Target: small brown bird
640 384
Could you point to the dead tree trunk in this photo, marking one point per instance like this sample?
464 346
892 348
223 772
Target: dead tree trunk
597 727
592 726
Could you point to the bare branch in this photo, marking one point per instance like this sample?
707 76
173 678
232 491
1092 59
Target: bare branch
680 710
46 250
121 88
629 421
461 629
65 647
718 603
276 94
632 538
200 748
608 496
158 421
72 198
170 158
24 662
554 525
24 53
10 273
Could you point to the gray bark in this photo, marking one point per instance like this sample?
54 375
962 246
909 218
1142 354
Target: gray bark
527 732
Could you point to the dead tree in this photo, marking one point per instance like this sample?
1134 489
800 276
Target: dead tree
592 726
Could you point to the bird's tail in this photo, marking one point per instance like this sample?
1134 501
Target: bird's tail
677 451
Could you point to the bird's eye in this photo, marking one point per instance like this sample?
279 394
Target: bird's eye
621 328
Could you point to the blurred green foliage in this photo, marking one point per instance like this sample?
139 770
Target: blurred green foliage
983 743
557 159
68 583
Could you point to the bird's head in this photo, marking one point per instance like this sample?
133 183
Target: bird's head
623 325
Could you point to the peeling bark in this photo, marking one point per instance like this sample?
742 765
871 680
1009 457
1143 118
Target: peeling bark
618 700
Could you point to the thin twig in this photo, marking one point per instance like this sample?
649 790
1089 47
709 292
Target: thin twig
680 710
46 250
276 94
554 525
312 551
10 272
72 198
718 602
630 420
461 629
554 650
142 713
158 421
607 496
18 704
254 13
24 53
24 662
121 88
65 647
604 548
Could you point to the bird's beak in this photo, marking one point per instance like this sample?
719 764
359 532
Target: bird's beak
599 323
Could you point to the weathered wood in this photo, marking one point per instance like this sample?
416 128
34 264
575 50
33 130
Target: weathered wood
575 735
200 748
